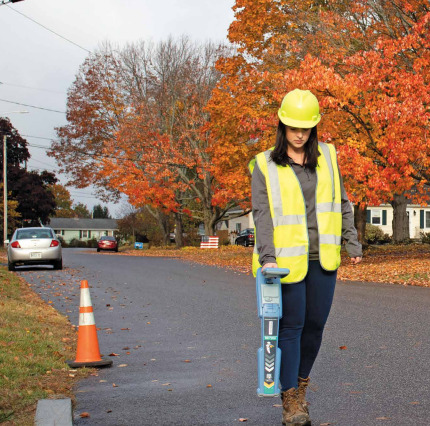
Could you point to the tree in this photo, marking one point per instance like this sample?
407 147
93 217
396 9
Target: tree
13 216
35 202
138 123
81 210
63 201
101 212
368 64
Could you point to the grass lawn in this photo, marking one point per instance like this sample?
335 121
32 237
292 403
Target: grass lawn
35 341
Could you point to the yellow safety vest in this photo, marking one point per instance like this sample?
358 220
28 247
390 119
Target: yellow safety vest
288 212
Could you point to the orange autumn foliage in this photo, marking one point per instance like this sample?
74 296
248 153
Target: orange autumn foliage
368 63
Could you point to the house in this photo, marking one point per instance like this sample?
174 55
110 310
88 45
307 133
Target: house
237 225
82 229
382 216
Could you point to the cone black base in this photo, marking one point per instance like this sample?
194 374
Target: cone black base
99 364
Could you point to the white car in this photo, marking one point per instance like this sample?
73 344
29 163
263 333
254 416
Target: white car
34 246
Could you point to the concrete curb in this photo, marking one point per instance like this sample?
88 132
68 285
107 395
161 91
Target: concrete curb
52 412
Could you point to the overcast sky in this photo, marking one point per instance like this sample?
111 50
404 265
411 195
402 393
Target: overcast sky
37 67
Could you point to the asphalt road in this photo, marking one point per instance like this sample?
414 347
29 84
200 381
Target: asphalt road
186 336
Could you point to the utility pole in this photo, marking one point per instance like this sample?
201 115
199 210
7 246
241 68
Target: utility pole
4 189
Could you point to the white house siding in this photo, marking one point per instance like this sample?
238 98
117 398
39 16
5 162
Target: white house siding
236 225
419 218
83 229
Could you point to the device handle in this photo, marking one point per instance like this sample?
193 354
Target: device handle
275 272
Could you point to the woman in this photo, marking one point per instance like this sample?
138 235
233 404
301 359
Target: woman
301 213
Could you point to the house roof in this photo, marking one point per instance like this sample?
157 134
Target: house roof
79 223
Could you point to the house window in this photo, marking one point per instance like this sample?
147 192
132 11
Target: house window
376 217
84 234
238 227
427 219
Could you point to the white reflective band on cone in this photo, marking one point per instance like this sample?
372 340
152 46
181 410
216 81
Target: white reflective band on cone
85 298
87 318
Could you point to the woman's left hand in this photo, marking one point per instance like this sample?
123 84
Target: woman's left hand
356 260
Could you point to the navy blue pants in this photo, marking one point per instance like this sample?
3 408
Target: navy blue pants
305 306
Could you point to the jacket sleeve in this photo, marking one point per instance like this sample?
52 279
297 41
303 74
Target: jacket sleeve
349 233
262 219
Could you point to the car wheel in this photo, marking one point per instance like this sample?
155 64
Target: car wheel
246 243
10 266
58 264
98 250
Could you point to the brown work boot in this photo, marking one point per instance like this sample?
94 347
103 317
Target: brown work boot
301 392
293 413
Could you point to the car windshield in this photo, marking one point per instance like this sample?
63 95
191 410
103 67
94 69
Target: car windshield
26 234
107 239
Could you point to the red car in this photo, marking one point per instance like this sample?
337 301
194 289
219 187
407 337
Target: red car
107 243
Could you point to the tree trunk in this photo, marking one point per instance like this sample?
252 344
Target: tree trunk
208 220
360 213
400 219
179 240
163 222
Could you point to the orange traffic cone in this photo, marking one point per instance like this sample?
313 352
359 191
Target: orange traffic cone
88 353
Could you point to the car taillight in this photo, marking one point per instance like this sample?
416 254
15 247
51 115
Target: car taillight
15 244
251 236
54 243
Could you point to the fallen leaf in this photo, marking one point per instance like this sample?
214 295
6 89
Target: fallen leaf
84 414
125 329
187 360
208 386
123 365
415 403
342 348
277 405
114 385
243 420
113 354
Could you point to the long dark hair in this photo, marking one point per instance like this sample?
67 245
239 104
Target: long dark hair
279 154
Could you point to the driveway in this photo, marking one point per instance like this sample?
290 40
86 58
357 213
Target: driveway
186 335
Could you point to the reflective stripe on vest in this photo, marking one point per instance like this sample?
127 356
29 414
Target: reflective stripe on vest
288 212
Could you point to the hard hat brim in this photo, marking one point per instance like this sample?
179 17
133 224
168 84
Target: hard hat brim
297 123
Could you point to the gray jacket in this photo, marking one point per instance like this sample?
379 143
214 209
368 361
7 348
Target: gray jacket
264 225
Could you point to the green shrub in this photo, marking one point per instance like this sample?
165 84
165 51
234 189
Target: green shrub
92 243
425 237
375 235
77 243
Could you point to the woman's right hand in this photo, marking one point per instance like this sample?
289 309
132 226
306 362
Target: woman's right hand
269 265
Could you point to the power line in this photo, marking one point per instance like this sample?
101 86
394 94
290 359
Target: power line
39 146
32 106
42 162
36 137
46 28
32 88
